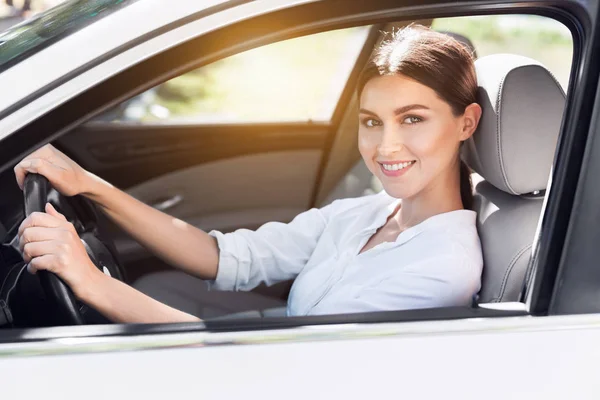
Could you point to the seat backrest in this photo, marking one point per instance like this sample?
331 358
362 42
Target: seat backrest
357 182
512 149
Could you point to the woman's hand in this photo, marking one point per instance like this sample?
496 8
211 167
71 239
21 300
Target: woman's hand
64 174
49 242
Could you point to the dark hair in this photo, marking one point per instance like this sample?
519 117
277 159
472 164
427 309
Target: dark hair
437 61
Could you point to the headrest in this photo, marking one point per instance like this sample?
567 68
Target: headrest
513 147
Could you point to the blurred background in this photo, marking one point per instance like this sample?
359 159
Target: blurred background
253 86
269 84
14 11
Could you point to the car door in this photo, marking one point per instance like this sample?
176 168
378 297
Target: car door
499 351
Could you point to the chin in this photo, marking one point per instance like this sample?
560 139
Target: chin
398 191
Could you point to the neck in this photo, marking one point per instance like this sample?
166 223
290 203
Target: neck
440 196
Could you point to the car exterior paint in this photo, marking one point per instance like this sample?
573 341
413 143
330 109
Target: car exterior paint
508 358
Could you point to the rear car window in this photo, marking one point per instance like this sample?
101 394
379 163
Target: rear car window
297 80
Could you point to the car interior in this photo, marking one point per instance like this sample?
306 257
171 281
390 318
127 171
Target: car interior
227 176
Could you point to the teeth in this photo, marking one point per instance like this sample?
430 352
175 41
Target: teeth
396 167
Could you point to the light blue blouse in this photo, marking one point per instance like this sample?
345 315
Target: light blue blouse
436 263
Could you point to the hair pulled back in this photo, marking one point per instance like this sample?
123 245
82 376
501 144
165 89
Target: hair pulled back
437 61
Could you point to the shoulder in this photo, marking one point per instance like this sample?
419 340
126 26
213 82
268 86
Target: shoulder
454 235
452 250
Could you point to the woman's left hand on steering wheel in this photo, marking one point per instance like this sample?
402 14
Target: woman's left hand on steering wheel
49 242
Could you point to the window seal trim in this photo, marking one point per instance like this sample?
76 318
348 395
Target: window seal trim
254 324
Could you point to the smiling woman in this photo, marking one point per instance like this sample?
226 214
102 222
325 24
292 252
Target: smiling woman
355 255
420 108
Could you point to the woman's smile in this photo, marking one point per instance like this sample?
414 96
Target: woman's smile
395 168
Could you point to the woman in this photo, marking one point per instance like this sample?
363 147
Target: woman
414 245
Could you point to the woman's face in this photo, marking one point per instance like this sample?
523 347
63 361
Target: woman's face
408 136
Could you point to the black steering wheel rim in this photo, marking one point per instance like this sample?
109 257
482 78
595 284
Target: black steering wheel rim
68 309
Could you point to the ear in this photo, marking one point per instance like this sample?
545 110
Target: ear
471 119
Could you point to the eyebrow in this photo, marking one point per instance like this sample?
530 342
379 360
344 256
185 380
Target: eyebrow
398 111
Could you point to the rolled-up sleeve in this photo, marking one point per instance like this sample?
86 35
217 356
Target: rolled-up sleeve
273 253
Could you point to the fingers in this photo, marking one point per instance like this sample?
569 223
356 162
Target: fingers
36 249
37 166
52 211
44 220
45 262
40 234
35 163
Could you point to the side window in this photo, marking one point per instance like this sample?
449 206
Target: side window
255 86
540 38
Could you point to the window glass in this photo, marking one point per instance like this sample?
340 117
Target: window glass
37 33
295 80
543 39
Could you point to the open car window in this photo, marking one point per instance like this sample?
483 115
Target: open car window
297 80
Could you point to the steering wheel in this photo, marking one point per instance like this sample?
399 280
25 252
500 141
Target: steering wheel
37 191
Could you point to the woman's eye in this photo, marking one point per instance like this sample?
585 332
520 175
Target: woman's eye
412 120
370 122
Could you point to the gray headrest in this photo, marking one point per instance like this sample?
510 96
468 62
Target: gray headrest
513 147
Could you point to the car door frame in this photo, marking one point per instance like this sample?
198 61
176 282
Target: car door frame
312 17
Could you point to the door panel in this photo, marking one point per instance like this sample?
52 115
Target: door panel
220 177
239 192
127 155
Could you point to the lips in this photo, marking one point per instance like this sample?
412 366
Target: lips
396 168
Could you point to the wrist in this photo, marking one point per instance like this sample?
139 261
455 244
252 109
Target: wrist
92 289
92 186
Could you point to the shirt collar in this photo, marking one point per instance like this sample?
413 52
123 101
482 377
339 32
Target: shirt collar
453 220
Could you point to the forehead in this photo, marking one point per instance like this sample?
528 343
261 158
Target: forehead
397 91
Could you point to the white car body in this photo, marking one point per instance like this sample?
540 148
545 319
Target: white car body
507 358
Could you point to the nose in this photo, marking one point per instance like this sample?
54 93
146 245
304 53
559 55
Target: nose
391 143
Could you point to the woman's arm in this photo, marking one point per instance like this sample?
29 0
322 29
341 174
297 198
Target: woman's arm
235 261
176 242
109 297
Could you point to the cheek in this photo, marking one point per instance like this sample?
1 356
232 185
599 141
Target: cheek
434 145
367 144
367 147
